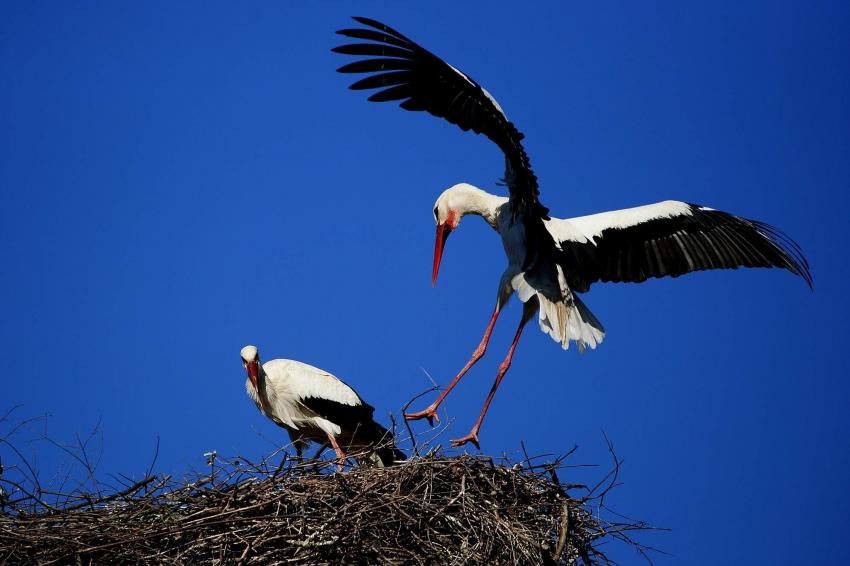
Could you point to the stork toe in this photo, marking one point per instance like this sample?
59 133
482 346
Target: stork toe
430 413
471 437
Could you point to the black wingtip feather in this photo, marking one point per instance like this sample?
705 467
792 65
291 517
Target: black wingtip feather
393 93
413 105
797 262
376 65
382 80
370 35
375 49
379 26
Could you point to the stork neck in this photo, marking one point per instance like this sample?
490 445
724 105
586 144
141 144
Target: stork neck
260 391
485 205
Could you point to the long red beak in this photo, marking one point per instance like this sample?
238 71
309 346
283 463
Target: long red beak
253 372
443 231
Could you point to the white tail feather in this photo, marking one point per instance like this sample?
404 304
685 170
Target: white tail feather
565 319
592 331
565 322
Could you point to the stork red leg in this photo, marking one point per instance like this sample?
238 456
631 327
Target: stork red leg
339 453
528 311
431 412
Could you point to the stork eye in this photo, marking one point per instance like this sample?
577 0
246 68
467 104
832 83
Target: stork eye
435 212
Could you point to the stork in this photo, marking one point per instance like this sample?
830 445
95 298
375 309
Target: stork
550 260
312 404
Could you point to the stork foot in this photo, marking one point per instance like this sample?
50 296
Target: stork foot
471 437
430 413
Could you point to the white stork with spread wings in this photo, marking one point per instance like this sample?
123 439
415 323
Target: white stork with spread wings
549 259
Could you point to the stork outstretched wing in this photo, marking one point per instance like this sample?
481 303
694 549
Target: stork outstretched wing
405 71
668 238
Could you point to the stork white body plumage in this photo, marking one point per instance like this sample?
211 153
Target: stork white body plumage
313 405
550 259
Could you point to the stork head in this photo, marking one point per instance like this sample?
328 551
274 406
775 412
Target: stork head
455 203
251 363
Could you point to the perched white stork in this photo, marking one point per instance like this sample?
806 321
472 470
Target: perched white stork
550 259
312 404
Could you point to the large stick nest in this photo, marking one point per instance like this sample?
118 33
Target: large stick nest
460 510
428 510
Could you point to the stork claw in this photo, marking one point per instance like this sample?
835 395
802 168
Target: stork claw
430 413
471 437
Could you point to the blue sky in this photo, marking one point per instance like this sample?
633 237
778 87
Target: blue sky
179 181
